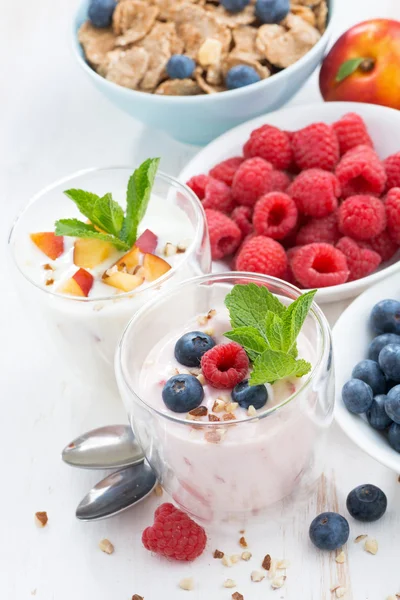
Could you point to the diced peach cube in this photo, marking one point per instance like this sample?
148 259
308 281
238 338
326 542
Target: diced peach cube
154 267
147 242
126 282
48 242
79 284
90 253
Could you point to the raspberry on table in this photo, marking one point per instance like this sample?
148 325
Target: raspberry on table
315 192
392 168
319 230
174 534
280 181
383 245
360 171
351 131
225 170
218 195
392 205
198 184
225 365
251 180
271 144
319 265
225 235
242 216
260 254
315 147
361 261
275 215
362 217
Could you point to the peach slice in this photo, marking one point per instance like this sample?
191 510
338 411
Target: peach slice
90 253
154 267
147 242
129 261
79 284
126 282
48 242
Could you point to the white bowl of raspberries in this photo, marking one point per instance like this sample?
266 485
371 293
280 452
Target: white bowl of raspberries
308 194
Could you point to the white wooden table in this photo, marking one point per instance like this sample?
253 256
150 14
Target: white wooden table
52 122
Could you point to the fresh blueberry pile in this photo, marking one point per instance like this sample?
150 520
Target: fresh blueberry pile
374 389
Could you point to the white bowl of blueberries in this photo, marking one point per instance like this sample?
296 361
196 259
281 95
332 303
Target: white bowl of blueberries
367 353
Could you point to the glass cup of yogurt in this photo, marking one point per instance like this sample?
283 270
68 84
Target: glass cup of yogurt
78 294
225 460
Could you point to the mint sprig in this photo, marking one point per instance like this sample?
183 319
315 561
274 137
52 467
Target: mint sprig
268 331
105 214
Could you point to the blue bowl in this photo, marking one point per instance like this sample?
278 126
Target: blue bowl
199 119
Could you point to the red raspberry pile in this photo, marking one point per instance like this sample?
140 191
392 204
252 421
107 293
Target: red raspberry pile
316 207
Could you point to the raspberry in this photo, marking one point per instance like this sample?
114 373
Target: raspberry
218 196
319 265
251 180
319 230
351 131
225 170
361 261
362 217
275 215
392 205
260 254
315 146
392 168
315 192
271 144
361 172
225 365
280 181
198 183
383 245
242 216
225 235
174 534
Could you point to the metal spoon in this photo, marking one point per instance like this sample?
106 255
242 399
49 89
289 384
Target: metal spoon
117 492
110 447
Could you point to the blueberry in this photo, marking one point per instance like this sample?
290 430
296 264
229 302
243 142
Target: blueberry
380 342
357 396
377 415
385 317
366 503
234 6
272 11
182 393
180 66
191 346
390 384
329 531
392 404
394 436
240 76
369 371
249 395
101 11
389 361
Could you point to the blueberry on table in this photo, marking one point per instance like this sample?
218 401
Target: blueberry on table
394 436
272 11
182 393
101 11
392 404
234 6
191 346
385 317
370 372
240 76
389 361
357 396
249 395
366 503
180 66
329 531
380 342
377 415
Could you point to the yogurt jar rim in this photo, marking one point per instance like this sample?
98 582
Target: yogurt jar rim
198 233
315 311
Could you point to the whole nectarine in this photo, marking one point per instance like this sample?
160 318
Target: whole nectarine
364 65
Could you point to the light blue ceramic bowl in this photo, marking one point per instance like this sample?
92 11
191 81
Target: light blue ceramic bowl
199 119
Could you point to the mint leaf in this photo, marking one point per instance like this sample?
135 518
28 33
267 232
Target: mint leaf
85 201
137 198
251 340
108 215
347 68
76 228
294 318
302 367
273 365
274 331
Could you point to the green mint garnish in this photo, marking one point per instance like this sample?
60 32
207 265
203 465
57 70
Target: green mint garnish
103 212
268 331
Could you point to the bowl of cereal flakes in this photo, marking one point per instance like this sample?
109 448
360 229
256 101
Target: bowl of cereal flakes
196 68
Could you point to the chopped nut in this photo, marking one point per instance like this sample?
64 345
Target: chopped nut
49 281
340 592
371 546
235 558
242 542
245 556
218 554
200 411
209 331
273 568
266 563
41 519
106 546
341 558
231 407
214 437
219 405
283 564
237 596
158 491
211 313
202 320
278 582
242 531
257 576
137 597
213 418
187 583
201 378
229 583
169 249
359 538
226 561
251 411
183 246
228 417
48 267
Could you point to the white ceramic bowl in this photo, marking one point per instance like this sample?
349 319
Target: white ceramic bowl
351 337
384 126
